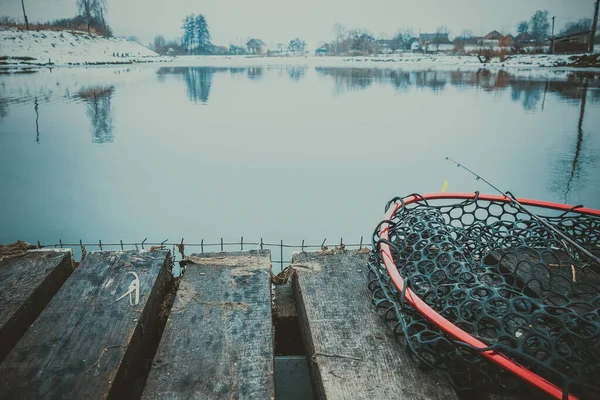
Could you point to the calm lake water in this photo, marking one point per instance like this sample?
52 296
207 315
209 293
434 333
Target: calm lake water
286 152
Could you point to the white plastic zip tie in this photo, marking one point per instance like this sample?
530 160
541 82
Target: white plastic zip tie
133 287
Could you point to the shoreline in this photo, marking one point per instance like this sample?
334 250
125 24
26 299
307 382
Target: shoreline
545 62
54 49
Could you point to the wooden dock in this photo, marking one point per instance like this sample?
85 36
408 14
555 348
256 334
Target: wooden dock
352 353
85 344
218 342
214 333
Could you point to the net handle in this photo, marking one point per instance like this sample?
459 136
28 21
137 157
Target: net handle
442 322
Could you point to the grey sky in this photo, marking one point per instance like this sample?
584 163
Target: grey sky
278 21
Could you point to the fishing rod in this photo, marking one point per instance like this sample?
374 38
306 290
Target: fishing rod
514 201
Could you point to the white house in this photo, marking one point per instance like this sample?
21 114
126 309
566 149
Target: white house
256 46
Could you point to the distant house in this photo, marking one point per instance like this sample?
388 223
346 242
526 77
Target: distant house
425 38
572 43
256 46
507 41
492 39
494 35
324 50
434 41
385 46
524 39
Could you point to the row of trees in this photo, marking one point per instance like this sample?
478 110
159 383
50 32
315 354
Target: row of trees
539 26
196 37
353 40
360 41
297 46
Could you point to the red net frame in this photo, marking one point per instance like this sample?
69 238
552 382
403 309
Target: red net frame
446 325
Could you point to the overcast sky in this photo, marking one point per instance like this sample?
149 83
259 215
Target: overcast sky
278 21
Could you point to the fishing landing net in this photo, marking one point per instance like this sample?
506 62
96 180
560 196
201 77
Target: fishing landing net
479 289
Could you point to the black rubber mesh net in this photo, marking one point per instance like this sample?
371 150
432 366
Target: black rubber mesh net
503 277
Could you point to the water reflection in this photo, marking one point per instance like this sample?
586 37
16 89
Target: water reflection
98 102
255 73
533 132
571 167
524 90
198 80
3 108
296 73
36 107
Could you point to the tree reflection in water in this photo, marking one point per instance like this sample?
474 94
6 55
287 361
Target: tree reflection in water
198 80
296 73
569 167
524 90
98 101
572 165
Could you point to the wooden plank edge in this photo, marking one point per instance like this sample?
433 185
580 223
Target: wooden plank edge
135 365
26 314
313 367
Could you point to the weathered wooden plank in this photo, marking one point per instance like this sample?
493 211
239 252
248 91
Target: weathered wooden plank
353 355
218 342
85 344
27 283
284 305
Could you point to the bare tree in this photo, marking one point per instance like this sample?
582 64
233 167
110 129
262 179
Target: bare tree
340 33
92 11
484 53
582 25
460 41
441 36
397 41
407 34
467 34
159 44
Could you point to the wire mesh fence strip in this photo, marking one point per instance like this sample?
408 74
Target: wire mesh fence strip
222 245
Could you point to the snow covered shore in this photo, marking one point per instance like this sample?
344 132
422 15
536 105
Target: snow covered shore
26 48
527 61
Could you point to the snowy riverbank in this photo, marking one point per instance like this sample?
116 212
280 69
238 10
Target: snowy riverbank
26 48
566 61
62 48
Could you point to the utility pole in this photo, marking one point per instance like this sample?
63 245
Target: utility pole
27 22
594 27
552 45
